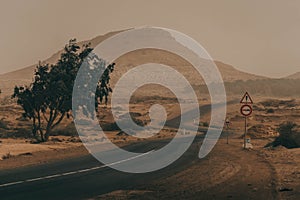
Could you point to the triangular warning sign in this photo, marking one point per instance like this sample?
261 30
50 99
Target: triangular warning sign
246 99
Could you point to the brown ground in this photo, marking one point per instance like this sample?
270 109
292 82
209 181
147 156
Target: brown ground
262 172
228 173
227 170
42 156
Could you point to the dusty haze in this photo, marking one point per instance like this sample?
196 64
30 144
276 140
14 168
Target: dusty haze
254 36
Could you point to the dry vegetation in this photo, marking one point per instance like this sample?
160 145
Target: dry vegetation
17 147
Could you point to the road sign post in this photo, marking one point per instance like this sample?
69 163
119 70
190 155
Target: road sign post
245 134
227 127
246 110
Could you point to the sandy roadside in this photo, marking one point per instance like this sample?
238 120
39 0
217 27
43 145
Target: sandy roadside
285 162
19 153
229 172
16 153
275 170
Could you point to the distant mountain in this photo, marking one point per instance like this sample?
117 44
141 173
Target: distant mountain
25 75
294 76
27 72
126 62
230 74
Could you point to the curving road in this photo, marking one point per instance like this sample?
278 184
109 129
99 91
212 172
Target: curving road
83 177
227 173
235 174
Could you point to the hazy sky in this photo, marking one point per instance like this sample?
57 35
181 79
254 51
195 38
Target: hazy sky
261 37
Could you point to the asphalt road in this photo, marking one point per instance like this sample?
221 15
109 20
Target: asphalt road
84 177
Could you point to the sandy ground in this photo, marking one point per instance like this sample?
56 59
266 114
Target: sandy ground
264 173
19 153
16 153
16 147
285 162
229 172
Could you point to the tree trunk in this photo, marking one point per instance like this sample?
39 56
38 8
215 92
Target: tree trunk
47 133
34 129
42 139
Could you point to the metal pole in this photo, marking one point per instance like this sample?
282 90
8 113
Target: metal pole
227 136
245 132
227 128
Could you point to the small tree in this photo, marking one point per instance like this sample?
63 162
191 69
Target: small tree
48 99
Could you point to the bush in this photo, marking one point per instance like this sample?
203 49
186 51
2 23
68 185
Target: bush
6 156
3 125
278 103
21 133
205 124
68 130
270 110
289 136
16 133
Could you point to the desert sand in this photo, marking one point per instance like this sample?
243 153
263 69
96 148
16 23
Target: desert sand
264 172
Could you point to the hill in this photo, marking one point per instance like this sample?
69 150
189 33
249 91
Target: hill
126 62
294 76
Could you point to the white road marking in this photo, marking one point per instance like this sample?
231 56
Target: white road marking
14 183
73 172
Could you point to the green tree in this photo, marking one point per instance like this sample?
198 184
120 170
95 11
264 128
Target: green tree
48 99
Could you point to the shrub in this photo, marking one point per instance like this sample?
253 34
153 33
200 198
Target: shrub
6 156
68 130
270 110
205 124
3 125
16 133
289 136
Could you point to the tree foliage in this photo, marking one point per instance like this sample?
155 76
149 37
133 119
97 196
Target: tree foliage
48 99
